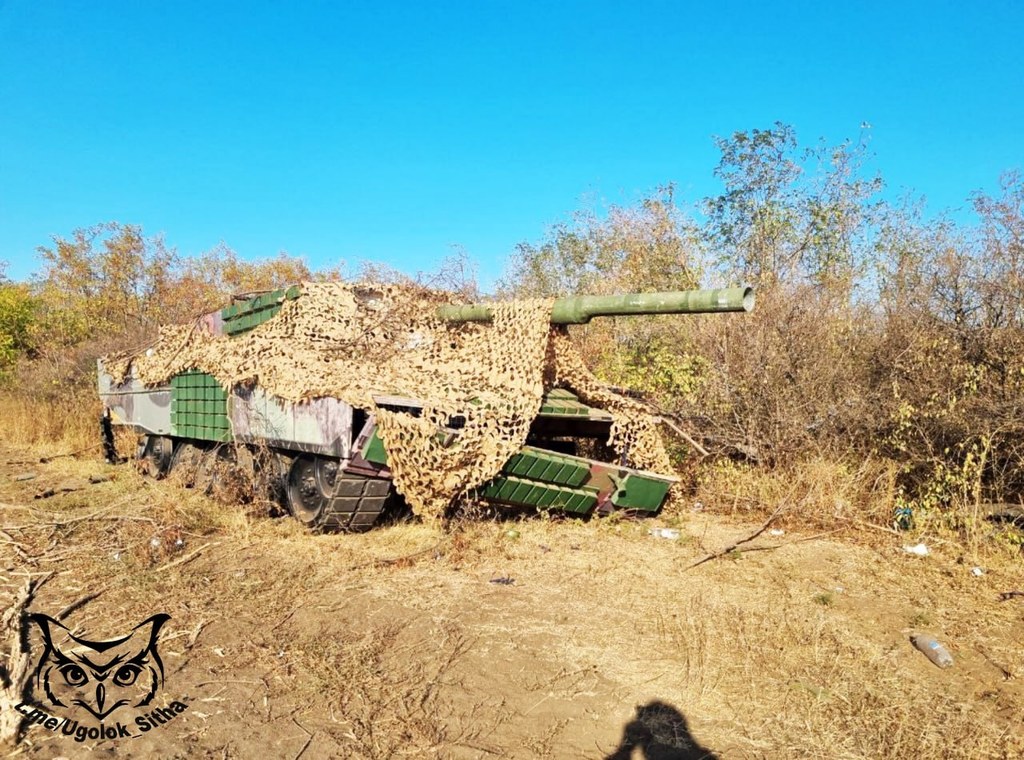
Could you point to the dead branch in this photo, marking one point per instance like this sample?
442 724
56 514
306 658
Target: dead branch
736 544
44 460
1008 595
308 741
396 560
874 526
81 602
60 491
193 637
115 518
684 435
19 548
15 674
210 683
99 515
773 547
187 558
1007 673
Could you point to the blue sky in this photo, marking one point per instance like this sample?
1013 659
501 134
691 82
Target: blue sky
345 131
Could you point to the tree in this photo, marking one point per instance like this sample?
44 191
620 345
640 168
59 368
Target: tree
104 279
650 246
647 247
789 215
17 314
210 280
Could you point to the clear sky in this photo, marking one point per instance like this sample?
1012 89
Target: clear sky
343 131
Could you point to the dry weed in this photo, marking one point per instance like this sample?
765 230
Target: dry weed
50 425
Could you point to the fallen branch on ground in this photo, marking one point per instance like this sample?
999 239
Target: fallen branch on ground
187 557
772 547
308 740
735 545
18 547
193 637
1007 673
100 515
81 602
395 560
44 460
58 491
873 526
14 675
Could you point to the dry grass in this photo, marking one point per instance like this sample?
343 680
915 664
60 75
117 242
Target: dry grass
398 641
826 495
817 492
50 425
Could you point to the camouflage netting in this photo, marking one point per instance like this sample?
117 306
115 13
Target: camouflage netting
634 430
343 341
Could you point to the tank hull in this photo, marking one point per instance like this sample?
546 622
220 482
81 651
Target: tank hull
194 411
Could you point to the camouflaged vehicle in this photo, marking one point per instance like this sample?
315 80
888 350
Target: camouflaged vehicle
328 456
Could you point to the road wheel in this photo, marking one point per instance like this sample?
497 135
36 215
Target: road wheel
155 453
310 485
185 462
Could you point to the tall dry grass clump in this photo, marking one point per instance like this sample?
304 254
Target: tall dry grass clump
66 424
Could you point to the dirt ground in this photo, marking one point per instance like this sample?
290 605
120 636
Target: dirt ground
525 638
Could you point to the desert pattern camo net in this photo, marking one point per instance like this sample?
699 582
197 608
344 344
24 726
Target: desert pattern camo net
354 343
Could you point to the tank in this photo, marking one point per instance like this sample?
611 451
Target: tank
343 400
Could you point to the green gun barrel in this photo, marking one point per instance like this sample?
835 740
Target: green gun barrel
579 310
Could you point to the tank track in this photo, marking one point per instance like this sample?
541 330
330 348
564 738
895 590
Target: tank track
355 504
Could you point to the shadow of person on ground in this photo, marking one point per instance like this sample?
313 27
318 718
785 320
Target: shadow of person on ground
660 732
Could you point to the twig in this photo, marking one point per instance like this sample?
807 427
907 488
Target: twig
873 526
49 492
187 558
1008 595
208 683
396 560
733 546
126 518
480 747
772 547
15 673
285 619
44 460
1007 673
306 745
18 547
193 637
81 602
100 515
685 436
71 521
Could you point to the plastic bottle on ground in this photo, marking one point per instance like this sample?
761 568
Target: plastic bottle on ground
933 650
